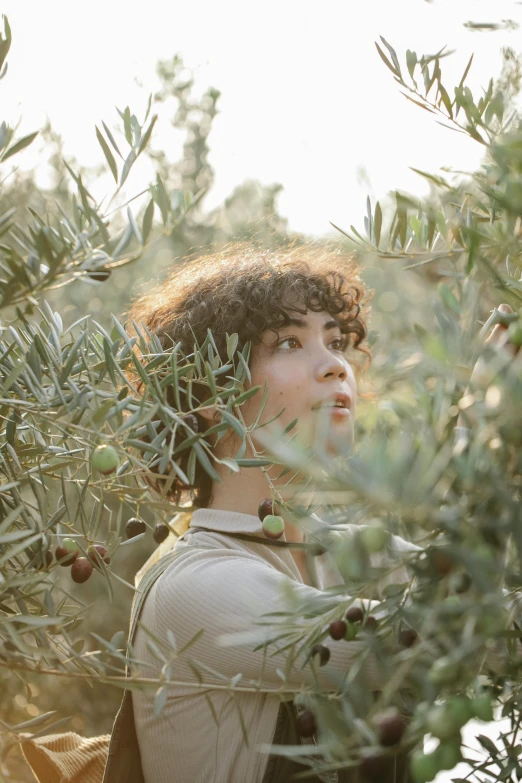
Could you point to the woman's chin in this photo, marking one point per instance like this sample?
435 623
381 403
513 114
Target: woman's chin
340 440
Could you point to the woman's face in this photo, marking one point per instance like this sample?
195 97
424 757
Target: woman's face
307 374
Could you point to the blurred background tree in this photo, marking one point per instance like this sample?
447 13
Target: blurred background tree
250 211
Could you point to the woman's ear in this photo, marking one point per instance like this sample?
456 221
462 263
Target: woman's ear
211 414
208 412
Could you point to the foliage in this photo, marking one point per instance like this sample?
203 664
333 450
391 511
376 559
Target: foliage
67 390
56 384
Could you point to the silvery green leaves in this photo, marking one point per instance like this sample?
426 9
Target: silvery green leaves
80 386
9 145
7 150
461 227
83 241
174 387
484 117
137 135
63 392
5 45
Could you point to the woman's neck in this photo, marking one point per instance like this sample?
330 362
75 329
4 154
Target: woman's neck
243 492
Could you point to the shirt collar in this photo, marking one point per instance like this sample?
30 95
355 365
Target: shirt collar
236 522
226 521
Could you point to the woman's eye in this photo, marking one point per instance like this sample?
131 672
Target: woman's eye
341 343
293 340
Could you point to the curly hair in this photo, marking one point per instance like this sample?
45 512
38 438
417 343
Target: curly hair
243 289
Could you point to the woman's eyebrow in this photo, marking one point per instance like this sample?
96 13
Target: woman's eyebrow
303 323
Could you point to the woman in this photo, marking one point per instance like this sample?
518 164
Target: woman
302 309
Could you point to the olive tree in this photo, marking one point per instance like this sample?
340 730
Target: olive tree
85 410
439 462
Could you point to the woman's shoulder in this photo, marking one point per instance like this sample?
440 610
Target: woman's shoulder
212 566
211 577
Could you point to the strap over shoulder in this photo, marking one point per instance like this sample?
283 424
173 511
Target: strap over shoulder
124 760
148 579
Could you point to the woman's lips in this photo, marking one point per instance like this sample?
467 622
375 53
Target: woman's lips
340 413
336 411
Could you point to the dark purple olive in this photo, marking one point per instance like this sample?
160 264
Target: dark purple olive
96 553
161 532
337 629
266 507
371 623
81 570
374 766
442 561
354 614
135 527
390 726
68 557
305 724
407 637
323 653
101 275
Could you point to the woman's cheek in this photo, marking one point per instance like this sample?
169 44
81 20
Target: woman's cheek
250 409
304 432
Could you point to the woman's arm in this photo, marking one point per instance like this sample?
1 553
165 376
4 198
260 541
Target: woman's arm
225 594
393 560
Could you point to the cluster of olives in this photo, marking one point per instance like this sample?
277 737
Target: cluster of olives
105 459
67 554
338 629
135 527
353 619
389 725
273 523
444 721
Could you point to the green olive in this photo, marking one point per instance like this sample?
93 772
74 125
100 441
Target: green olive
444 671
459 710
105 459
351 632
440 723
482 707
273 526
515 333
374 537
448 755
423 766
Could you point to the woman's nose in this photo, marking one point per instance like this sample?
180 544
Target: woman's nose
332 367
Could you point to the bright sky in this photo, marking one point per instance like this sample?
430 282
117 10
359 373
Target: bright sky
306 100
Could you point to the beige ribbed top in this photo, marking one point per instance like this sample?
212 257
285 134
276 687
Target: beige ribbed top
223 592
217 593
